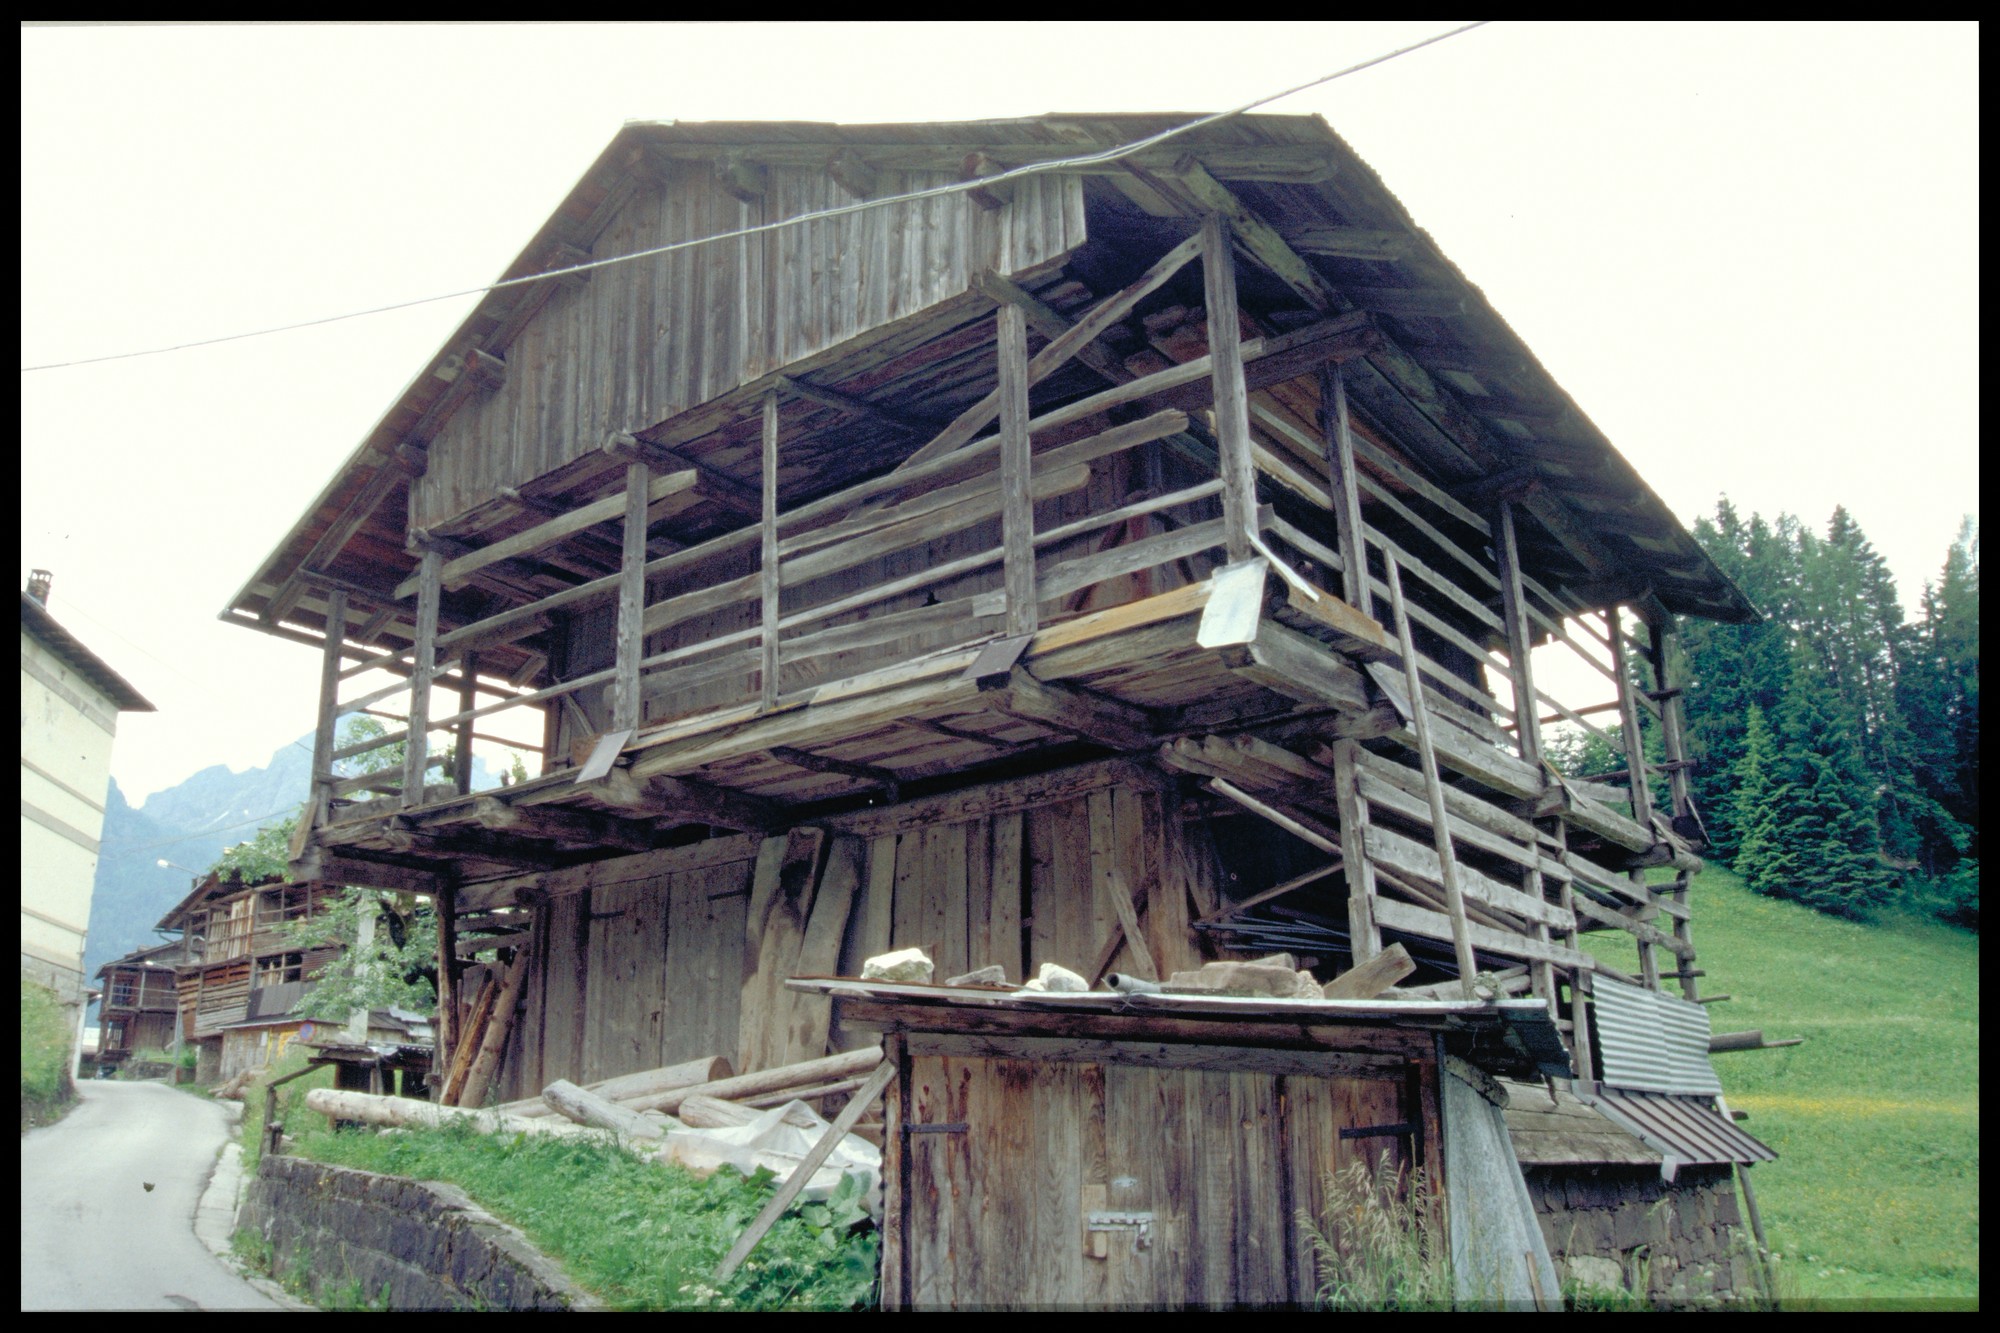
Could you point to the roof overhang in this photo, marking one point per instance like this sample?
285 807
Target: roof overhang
1501 424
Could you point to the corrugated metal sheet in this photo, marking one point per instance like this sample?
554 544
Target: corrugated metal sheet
1687 1129
1652 1042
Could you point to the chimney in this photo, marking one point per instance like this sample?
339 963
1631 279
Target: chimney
38 585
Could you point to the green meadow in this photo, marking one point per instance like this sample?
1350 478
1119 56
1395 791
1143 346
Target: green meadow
1875 1195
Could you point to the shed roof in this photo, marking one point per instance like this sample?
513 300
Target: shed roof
1513 1035
1494 414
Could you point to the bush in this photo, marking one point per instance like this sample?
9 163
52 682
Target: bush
46 1037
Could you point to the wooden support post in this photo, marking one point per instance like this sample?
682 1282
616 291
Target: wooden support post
767 577
1433 787
446 905
329 703
1017 504
1635 767
1345 487
626 700
1232 398
468 699
1514 612
1365 935
1672 729
1628 720
423 656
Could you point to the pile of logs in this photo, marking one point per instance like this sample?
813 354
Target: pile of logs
481 1037
704 1093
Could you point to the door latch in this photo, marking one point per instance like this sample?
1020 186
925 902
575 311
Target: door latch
1107 1220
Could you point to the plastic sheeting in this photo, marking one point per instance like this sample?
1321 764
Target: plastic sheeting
1498 1256
778 1141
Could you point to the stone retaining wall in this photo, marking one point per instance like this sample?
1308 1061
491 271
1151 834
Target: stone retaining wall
422 1244
1621 1226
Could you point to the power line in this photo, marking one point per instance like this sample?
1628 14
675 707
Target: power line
984 182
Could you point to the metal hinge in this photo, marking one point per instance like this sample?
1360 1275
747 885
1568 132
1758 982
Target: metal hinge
941 1127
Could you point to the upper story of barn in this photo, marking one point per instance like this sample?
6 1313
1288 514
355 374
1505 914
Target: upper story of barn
840 469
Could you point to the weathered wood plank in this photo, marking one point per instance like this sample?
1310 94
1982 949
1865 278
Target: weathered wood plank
1232 419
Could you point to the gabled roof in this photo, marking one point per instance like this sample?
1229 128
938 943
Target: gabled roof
1490 415
35 619
149 957
212 887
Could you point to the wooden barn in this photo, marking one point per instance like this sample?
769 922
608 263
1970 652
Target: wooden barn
238 978
139 1002
1125 563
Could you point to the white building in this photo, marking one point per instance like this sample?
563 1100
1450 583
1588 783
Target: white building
70 701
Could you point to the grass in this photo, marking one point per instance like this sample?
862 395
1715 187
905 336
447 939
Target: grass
637 1234
1379 1247
46 1034
1874 1197
291 1101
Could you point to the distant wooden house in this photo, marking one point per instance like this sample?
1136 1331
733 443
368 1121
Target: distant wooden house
238 977
1121 565
139 1003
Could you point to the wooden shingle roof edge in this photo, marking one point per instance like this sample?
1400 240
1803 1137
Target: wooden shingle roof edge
1269 152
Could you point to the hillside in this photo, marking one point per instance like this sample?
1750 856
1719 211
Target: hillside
1875 1196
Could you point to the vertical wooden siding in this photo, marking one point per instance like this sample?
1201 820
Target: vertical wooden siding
1224 1160
655 971
640 342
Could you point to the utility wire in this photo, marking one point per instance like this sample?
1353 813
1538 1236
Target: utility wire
1033 168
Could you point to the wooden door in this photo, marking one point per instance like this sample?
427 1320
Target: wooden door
1022 1180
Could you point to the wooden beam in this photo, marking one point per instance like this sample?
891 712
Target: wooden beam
1514 616
740 178
857 407
767 567
1017 509
851 172
627 706
1232 398
709 482
978 166
818 763
423 655
1291 823
1427 757
1097 718
688 799
559 825
1110 311
459 570
1355 243
1050 323
1345 488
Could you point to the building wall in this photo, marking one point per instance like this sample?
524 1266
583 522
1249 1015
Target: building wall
656 965
1677 1243
640 342
254 1048
67 727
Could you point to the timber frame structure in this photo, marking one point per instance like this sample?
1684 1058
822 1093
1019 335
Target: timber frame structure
968 572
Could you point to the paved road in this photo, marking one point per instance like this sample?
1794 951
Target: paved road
93 1237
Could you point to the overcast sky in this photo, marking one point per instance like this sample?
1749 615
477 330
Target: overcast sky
1747 251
